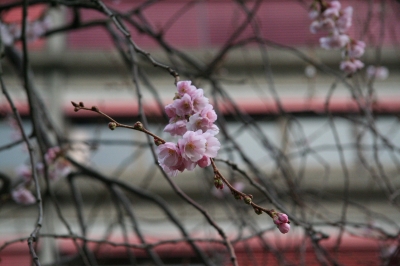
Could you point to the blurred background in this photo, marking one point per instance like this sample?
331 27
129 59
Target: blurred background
293 124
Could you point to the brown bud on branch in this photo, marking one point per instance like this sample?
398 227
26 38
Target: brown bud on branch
112 125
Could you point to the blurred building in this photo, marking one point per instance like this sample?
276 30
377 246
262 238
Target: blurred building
83 65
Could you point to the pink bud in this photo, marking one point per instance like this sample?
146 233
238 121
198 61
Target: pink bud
23 196
280 218
283 218
284 228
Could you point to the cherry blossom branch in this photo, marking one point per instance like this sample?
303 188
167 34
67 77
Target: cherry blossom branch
218 179
114 124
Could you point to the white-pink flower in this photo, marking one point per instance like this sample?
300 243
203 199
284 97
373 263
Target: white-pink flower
176 127
325 24
336 41
379 72
333 9
214 130
209 113
198 100
23 196
212 145
183 106
313 13
169 171
24 171
197 122
52 154
192 145
185 87
344 21
170 110
59 169
169 154
356 49
6 36
204 120
351 66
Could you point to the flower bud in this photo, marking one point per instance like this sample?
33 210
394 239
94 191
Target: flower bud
284 228
247 200
112 125
157 141
216 183
283 218
95 108
237 196
138 126
258 211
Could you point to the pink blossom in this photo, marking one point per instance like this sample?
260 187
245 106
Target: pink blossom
192 145
197 122
335 41
188 164
356 49
351 66
52 154
23 196
59 169
24 171
204 162
169 154
324 24
170 159
204 120
185 87
169 171
209 113
212 145
332 9
170 110
198 100
344 21
213 130
6 36
313 13
176 127
379 72
183 106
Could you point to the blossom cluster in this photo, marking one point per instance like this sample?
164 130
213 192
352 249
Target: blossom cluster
282 222
331 18
191 117
377 72
57 165
34 30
